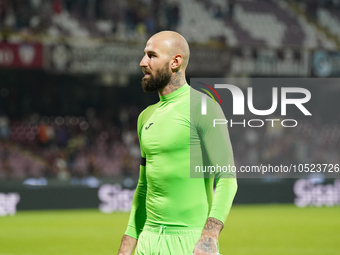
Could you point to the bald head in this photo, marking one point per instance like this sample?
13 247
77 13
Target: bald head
172 44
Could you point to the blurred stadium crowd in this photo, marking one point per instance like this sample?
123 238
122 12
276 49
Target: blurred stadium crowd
35 143
106 144
312 142
88 18
65 147
257 22
68 146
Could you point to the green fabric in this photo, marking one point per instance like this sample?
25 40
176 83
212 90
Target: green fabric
167 241
171 140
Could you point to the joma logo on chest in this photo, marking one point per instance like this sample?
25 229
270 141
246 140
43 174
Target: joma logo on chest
146 128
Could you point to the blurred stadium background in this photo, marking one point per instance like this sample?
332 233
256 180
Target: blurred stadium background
70 96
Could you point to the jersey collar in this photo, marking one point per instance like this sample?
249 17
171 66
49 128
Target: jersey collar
174 94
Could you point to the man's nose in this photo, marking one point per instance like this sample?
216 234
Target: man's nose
143 62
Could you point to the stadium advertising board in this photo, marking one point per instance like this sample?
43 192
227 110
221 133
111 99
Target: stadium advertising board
314 192
124 58
8 203
21 55
114 198
259 61
120 58
109 198
208 61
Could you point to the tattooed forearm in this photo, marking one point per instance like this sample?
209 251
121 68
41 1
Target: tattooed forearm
208 241
213 227
207 244
127 246
177 81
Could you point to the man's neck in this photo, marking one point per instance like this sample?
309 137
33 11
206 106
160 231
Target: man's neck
177 81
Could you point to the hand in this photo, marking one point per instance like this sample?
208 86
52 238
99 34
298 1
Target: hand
206 245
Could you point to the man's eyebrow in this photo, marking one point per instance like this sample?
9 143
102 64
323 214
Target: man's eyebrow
150 52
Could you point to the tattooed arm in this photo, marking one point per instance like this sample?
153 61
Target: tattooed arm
207 244
127 246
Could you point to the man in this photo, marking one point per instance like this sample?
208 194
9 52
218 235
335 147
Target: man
171 212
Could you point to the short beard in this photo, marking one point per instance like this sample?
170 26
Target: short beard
159 81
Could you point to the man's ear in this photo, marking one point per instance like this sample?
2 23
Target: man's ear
176 62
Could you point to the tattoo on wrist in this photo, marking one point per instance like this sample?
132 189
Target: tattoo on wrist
207 244
213 226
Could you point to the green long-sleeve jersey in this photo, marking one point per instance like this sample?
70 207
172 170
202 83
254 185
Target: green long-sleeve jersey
174 138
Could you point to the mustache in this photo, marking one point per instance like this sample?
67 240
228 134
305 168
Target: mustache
145 70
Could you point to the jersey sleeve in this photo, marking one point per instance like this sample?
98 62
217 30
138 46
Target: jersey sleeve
219 151
138 208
